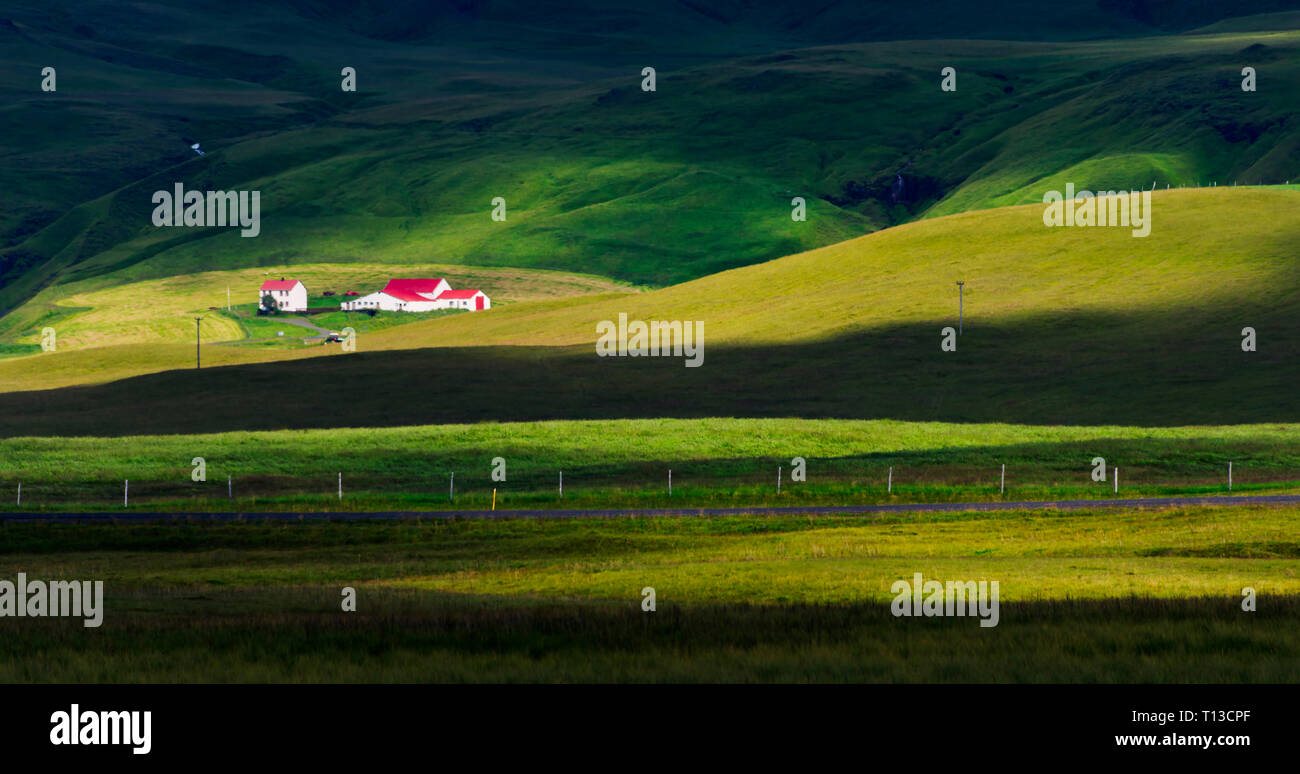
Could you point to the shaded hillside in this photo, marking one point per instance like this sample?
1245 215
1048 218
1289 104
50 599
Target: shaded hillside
1062 326
599 176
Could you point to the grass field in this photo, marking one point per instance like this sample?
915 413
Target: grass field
1084 597
271 330
90 314
624 463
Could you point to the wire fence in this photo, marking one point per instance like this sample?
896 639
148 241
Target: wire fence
443 491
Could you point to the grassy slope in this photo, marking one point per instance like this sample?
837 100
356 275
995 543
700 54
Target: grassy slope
1220 253
739 599
1066 325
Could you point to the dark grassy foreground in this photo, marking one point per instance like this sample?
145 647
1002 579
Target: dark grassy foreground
1090 596
294 636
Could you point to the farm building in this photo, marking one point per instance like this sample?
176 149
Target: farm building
401 295
418 295
464 299
289 295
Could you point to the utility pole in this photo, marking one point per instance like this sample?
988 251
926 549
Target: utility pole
198 361
960 287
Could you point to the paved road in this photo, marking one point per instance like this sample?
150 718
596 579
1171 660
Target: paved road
302 323
1035 505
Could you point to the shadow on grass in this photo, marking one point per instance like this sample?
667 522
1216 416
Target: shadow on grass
299 634
1140 369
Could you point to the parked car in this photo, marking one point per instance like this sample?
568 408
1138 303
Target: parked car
352 293
328 293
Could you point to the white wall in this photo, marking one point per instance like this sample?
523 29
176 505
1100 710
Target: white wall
371 301
384 302
292 300
464 303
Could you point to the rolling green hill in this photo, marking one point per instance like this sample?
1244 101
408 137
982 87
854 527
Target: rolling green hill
1062 326
457 104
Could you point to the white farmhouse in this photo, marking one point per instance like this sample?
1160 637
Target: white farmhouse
289 295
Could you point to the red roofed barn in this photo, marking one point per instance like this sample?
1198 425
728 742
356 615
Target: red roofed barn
464 299
419 295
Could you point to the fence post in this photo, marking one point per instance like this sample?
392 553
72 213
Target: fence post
670 482
891 479
451 489
1116 480
126 491
340 486
1229 475
1003 488
561 484
778 479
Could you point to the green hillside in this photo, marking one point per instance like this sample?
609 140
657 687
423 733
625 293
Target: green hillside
755 105
1062 326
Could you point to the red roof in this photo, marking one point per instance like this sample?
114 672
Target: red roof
410 289
279 284
452 294
402 295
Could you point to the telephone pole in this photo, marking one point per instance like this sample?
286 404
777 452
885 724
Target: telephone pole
960 287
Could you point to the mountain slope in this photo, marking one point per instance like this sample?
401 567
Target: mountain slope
599 176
